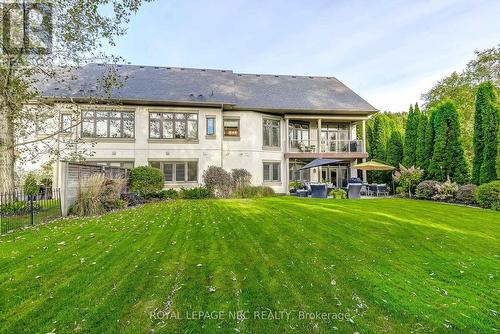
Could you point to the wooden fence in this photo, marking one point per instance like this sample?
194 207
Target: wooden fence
74 176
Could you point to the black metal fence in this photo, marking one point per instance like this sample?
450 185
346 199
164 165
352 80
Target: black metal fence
18 209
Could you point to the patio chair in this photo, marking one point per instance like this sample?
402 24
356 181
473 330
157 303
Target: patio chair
318 191
354 190
364 190
382 189
372 190
301 193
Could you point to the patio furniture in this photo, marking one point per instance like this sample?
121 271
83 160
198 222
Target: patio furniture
382 189
372 190
318 191
353 190
301 193
364 190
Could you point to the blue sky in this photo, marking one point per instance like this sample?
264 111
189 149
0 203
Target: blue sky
389 52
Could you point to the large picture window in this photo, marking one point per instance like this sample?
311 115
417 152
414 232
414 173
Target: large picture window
272 172
167 125
271 132
108 124
177 171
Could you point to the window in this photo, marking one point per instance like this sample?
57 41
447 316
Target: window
272 172
210 126
271 133
66 123
177 171
124 164
167 125
108 124
231 127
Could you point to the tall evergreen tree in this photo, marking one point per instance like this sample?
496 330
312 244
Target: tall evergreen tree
410 144
429 140
395 149
378 145
486 105
448 158
420 154
477 139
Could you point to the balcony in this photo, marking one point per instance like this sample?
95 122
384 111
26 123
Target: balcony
326 149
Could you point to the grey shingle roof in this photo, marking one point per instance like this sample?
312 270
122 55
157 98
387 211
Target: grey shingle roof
187 85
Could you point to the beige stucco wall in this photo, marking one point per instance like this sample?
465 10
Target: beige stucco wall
245 152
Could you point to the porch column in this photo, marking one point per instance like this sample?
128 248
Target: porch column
364 135
365 179
318 148
287 136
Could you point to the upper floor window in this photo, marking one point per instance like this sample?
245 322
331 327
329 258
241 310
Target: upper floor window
168 125
210 126
271 132
231 127
108 124
66 123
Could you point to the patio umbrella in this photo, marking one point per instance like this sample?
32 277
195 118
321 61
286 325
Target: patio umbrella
373 165
320 162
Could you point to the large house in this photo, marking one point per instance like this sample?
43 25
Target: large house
183 120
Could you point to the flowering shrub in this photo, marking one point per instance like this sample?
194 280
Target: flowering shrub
426 189
446 191
408 178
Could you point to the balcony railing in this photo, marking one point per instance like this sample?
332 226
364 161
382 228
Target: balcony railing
327 146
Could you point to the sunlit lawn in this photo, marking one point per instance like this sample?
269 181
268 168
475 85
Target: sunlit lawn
382 265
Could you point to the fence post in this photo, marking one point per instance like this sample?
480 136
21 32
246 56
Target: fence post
31 209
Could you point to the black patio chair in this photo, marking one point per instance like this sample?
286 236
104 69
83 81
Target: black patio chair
318 191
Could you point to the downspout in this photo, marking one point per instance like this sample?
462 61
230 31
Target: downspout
222 136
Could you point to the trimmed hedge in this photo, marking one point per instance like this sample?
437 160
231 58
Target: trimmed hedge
488 195
146 180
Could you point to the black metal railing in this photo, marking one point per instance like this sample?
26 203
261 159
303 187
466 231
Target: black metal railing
18 209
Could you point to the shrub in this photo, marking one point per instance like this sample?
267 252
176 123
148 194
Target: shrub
446 191
132 199
254 192
195 193
338 193
241 178
488 195
89 201
111 195
467 194
18 208
408 178
401 192
146 180
31 186
427 189
294 185
218 181
168 194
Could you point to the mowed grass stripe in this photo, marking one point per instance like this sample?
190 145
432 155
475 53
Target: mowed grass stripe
394 265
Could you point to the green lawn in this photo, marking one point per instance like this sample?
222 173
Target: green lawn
372 266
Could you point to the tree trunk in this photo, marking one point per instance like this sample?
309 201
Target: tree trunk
7 159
